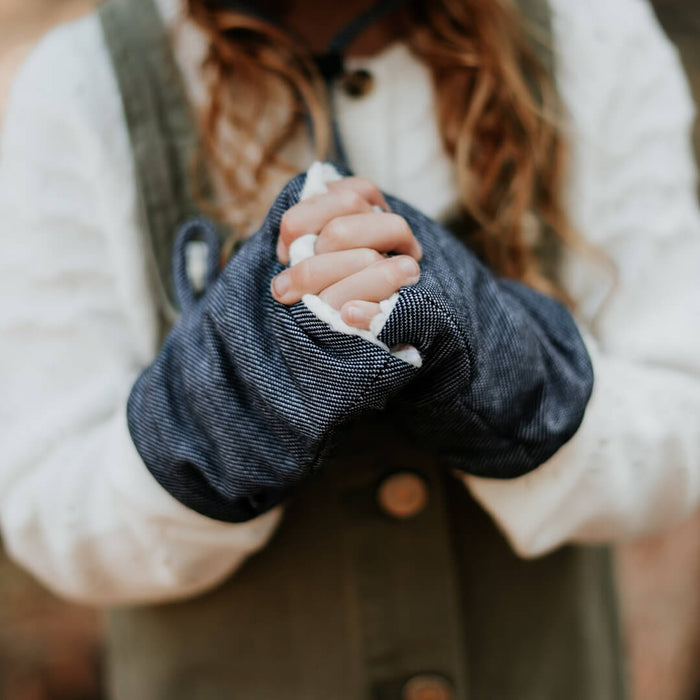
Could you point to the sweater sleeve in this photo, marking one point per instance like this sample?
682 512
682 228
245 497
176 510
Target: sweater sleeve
634 465
77 506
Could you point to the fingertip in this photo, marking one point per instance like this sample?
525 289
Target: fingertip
409 267
280 286
282 255
354 315
348 312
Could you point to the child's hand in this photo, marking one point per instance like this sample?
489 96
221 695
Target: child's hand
350 270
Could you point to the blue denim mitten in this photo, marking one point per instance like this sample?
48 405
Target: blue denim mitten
247 396
506 376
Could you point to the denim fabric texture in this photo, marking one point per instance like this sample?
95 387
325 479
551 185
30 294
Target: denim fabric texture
247 396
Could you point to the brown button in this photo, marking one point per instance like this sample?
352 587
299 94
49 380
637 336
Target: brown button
358 83
403 494
427 687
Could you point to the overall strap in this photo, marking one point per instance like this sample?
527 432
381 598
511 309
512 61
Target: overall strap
162 131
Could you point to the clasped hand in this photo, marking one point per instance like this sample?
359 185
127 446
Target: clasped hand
350 270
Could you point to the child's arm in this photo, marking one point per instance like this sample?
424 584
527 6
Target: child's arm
78 508
633 468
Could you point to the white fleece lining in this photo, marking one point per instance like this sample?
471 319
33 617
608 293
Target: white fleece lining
317 177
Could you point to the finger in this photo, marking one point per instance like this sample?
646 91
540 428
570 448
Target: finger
311 215
387 233
364 187
312 275
359 313
374 283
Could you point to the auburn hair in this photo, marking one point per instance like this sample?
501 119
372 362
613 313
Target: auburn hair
496 108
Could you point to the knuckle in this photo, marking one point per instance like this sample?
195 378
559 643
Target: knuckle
295 274
334 231
290 225
368 187
352 199
327 295
406 268
391 274
370 256
400 226
303 280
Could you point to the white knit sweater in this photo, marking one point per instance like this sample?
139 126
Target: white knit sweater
77 317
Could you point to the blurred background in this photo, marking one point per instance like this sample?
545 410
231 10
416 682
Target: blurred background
50 650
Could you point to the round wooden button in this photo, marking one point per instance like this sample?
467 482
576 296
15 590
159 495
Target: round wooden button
403 495
427 687
358 83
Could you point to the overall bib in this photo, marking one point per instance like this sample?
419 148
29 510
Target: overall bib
385 580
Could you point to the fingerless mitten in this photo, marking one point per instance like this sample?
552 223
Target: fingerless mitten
506 376
247 395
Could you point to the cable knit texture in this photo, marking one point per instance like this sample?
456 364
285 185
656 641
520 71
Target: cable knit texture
78 319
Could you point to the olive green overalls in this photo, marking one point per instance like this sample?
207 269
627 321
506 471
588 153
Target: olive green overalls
385 580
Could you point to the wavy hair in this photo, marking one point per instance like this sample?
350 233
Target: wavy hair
496 108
